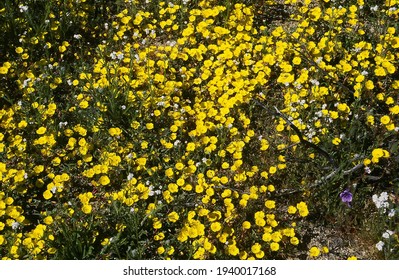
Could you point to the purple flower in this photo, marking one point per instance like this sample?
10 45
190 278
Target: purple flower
346 197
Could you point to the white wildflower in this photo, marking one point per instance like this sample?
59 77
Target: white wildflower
379 245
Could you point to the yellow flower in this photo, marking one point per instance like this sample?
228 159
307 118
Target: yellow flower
315 13
296 60
385 119
86 209
3 70
141 161
270 204
233 250
295 138
380 71
370 120
274 246
336 141
246 225
378 153
267 237
62 49
199 254
280 127
179 166
369 85
159 236
294 240
334 115
285 78
173 188
190 147
19 50
104 180
303 209
48 220
157 224
149 126
264 144
292 209
394 110
260 254
161 250
314 252
216 226
47 194
256 248
105 242
173 217
352 258
170 251
41 130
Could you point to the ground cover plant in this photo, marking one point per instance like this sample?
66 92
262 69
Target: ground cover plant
198 129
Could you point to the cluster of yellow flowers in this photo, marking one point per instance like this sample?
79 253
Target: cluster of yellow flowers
152 109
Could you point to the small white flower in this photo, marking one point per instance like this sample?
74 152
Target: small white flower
374 8
26 82
62 124
379 245
15 225
381 201
23 8
158 192
151 191
130 176
315 82
387 234
177 142
171 43
77 36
